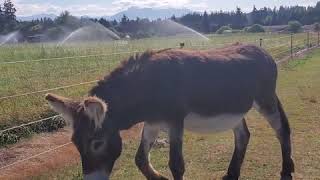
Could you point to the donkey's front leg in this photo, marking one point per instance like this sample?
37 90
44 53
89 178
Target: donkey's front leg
176 162
241 135
149 135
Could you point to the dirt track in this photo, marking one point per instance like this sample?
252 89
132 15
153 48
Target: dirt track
61 157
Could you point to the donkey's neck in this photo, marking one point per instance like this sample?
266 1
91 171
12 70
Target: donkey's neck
124 108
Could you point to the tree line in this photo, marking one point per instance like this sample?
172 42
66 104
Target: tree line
237 19
206 22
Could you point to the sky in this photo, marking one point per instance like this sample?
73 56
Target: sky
111 7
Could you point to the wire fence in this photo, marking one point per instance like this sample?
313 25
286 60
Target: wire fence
132 52
290 48
87 82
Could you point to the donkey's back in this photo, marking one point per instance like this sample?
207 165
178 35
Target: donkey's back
212 82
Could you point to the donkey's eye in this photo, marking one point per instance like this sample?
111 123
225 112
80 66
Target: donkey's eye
97 146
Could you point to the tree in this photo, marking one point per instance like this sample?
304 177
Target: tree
65 19
124 20
8 21
294 26
254 16
205 26
173 18
239 20
1 19
9 10
104 22
114 23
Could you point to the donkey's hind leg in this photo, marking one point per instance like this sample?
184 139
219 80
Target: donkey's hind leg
274 113
149 135
241 136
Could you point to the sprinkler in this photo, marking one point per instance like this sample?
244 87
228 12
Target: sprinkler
181 45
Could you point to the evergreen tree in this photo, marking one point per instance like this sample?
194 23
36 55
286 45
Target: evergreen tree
8 15
114 23
254 16
104 22
9 10
239 20
173 18
1 19
63 18
205 24
124 20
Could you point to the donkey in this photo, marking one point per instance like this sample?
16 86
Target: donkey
203 91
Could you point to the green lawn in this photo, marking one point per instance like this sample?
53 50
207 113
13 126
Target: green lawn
207 156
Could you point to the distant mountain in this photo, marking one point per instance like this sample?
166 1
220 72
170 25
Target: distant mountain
131 13
151 13
35 17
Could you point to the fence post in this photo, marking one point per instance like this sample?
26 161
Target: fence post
260 42
291 46
308 39
318 38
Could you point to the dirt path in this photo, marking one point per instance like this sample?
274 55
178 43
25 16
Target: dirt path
43 153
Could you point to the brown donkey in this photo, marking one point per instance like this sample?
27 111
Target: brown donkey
202 91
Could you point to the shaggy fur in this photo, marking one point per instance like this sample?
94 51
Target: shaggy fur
168 87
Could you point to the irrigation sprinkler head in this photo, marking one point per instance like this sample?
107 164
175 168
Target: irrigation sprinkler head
182 45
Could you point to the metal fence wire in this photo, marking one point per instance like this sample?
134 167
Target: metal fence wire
287 49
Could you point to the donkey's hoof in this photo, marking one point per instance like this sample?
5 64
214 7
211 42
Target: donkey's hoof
286 177
229 177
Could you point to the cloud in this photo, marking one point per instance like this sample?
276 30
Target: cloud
99 8
124 4
29 9
110 7
151 3
90 9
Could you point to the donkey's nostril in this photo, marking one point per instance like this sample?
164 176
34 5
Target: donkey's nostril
98 144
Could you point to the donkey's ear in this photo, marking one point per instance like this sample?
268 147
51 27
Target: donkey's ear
60 105
96 109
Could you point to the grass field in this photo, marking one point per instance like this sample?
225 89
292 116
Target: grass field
28 71
33 68
207 156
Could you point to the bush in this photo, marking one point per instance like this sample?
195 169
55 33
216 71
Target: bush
222 29
316 27
294 26
256 28
14 135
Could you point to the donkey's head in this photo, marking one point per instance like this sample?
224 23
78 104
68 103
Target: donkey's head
98 143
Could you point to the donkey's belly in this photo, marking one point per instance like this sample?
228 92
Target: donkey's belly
210 124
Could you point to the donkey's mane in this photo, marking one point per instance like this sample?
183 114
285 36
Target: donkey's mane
133 64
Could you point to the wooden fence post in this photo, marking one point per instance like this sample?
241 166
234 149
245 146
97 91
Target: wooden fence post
291 46
318 38
308 39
